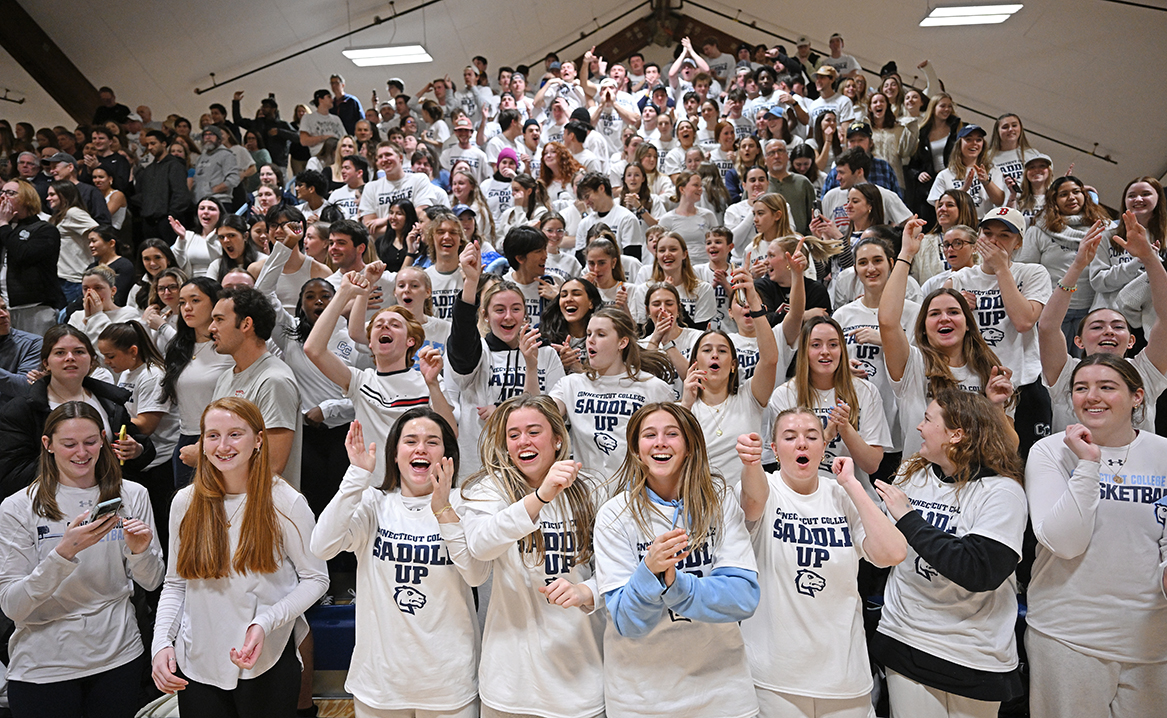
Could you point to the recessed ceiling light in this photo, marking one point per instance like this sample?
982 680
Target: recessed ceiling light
969 15
398 55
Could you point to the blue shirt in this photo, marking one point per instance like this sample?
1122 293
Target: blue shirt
880 173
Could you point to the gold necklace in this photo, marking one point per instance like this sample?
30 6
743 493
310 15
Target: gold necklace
235 513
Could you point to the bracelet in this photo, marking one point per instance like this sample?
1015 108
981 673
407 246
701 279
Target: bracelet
671 345
906 261
1064 288
758 314
444 510
541 500
411 254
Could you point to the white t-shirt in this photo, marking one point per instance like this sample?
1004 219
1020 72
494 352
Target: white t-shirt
1012 164
857 315
598 412
274 389
623 222
912 393
406 561
472 156
844 63
839 103
682 667
446 289
722 65
1154 384
808 549
347 200
723 423
693 229
945 181
145 387
721 320
321 123
1016 351
1097 581
499 198
379 399
537 658
927 611
873 426
381 193
563 265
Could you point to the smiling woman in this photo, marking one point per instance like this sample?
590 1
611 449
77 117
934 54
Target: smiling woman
411 499
64 581
239 576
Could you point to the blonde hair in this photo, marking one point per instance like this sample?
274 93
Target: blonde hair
499 469
688 277
842 381
701 490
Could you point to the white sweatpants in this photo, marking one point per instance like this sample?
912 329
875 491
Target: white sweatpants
775 704
910 699
1065 682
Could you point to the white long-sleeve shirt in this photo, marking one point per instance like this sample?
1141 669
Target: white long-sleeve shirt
73 618
536 657
203 619
413 577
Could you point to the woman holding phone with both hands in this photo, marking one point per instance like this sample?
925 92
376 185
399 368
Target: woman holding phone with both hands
67 584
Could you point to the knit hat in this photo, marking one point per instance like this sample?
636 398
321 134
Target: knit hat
507 153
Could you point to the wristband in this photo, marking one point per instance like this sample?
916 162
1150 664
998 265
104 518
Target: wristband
905 261
1064 288
758 314
670 345
541 500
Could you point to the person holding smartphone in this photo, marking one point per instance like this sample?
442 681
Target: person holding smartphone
66 581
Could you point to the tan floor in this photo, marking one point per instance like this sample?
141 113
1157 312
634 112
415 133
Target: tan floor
335 707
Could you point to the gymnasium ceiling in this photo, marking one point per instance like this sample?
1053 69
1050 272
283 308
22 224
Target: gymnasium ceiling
1080 71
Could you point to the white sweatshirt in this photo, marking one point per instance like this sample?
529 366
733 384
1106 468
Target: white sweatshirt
203 619
73 618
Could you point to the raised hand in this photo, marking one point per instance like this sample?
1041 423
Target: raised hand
1000 386
442 478
694 383
749 449
354 446
561 475
529 344
843 467
913 232
430 360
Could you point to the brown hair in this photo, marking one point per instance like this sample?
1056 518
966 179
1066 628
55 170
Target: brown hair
107 470
989 443
843 383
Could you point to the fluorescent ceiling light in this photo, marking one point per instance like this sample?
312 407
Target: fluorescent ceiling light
376 56
969 15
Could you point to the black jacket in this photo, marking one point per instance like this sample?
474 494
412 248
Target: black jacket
916 192
277 144
162 189
23 421
32 247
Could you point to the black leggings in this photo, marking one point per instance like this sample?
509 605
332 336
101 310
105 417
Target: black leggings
271 695
109 694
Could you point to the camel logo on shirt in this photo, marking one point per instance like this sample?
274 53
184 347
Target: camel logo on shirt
993 336
924 569
809 583
606 442
1161 511
409 599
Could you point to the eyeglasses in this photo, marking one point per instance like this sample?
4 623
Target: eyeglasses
9 192
956 244
167 288
281 225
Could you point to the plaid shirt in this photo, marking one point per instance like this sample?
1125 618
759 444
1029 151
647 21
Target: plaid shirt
881 174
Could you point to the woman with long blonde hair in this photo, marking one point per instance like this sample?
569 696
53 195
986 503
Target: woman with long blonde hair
530 513
947 633
67 575
239 577
676 570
